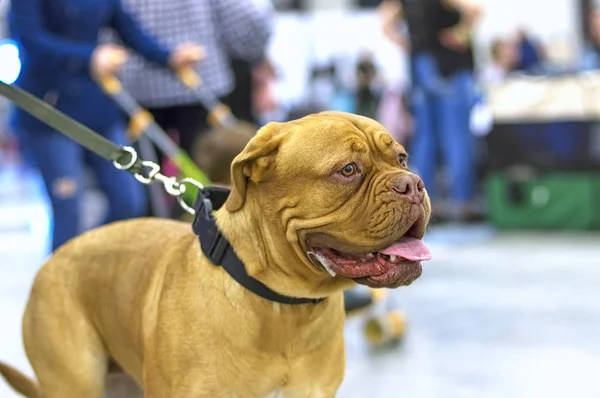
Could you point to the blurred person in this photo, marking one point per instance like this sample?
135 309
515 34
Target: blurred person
394 115
264 101
4 27
531 53
590 59
367 93
323 86
505 58
240 100
234 34
61 59
252 98
437 35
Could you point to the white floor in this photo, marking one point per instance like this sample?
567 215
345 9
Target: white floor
507 316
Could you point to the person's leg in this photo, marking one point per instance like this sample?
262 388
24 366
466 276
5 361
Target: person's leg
166 119
126 196
240 99
160 115
423 147
456 139
60 162
190 121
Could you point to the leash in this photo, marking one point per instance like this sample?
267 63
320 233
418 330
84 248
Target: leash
218 113
123 158
69 127
142 122
158 201
213 244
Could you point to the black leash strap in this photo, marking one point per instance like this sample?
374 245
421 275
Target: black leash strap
69 127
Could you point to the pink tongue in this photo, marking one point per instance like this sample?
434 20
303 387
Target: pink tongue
409 248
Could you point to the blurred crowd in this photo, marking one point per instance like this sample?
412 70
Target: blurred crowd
67 47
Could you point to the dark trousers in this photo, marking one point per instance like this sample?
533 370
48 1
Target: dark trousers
60 161
188 120
240 99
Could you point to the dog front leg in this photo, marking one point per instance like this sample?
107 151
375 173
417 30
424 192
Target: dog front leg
318 375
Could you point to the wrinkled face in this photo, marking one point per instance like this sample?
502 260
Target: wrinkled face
344 197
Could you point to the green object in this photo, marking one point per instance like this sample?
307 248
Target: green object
189 169
552 201
100 145
161 139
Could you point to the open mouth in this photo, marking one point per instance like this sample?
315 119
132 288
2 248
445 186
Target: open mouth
397 265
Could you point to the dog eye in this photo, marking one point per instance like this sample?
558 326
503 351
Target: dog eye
402 160
349 170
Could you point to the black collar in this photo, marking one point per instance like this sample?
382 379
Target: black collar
218 250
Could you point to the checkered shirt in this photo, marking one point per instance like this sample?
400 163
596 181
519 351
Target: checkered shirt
226 28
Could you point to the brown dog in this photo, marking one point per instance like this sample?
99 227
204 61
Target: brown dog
317 205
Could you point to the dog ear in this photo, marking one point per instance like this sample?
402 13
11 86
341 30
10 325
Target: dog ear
253 162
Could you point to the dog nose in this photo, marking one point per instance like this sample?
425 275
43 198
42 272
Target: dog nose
411 187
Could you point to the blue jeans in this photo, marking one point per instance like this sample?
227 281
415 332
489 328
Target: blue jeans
441 108
61 163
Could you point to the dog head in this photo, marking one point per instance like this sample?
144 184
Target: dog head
332 194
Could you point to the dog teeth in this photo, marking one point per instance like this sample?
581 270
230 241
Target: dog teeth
329 270
324 262
392 258
370 255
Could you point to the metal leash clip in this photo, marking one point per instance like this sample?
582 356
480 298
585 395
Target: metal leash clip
150 173
122 157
